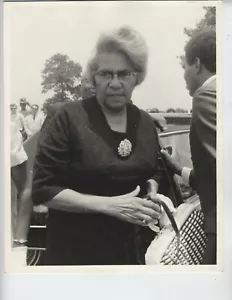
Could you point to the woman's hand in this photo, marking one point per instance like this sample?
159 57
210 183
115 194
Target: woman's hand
130 208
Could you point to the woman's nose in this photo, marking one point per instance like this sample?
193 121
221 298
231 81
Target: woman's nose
115 83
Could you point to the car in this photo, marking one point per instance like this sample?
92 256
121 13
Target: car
174 136
172 121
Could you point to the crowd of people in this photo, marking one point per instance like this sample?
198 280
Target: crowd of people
28 119
23 124
93 165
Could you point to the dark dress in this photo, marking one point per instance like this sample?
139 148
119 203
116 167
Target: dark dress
79 151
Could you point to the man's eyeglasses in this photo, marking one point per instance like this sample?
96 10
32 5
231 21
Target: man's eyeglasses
13 108
123 76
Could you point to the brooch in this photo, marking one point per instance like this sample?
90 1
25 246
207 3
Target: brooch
124 148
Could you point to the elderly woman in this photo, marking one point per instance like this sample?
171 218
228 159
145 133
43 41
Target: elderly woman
94 161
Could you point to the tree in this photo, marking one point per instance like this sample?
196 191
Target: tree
209 21
152 110
155 110
62 76
170 110
181 110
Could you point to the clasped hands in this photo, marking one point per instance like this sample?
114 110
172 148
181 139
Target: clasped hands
141 211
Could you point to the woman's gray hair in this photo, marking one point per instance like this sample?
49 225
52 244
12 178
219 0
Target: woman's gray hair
122 40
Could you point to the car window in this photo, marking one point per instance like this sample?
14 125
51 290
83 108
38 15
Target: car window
178 142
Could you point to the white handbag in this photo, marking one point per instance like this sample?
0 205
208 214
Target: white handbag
188 247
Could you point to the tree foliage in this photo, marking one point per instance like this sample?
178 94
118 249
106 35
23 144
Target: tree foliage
153 110
209 21
62 76
181 110
170 110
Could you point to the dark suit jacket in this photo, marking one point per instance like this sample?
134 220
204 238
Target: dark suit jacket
203 150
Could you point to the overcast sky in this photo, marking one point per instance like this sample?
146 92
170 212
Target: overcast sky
36 31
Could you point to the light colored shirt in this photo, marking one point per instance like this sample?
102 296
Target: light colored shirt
25 112
185 173
33 124
17 152
210 79
18 120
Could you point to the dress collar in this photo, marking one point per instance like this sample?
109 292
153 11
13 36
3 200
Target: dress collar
100 126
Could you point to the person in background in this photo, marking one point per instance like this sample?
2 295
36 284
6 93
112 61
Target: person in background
51 112
44 110
34 121
200 76
18 119
87 88
25 107
21 204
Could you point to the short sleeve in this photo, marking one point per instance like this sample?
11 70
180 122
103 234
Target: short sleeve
50 174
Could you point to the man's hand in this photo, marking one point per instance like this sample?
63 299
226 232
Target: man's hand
174 166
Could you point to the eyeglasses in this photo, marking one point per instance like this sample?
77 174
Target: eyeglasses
13 108
123 76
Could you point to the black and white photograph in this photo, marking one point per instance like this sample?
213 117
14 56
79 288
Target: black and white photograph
111 110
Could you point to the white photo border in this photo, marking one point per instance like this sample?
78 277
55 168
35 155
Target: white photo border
137 283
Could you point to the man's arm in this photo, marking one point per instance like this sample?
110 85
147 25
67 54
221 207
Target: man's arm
188 177
28 104
203 150
203 126
26 127
185 173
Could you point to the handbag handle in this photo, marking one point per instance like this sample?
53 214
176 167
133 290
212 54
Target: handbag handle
152 188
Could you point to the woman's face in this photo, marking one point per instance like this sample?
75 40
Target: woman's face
115 81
